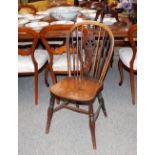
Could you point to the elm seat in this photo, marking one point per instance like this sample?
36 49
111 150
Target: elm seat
77 88
125 54
25 63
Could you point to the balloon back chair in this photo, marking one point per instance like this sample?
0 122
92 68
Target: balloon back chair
56 48
128 59
89 50
30 59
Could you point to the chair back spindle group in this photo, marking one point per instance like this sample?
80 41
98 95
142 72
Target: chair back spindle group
90 44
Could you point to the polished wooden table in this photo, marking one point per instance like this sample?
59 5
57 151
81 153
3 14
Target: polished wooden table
119 29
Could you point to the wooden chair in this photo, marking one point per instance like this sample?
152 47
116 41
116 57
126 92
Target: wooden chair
30 59
92 47
27 8
57 63
128 58
106 8
102 8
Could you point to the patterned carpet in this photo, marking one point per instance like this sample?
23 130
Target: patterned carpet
69 134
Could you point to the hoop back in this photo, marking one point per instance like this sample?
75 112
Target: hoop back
92 47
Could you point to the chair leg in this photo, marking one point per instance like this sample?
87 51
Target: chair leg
50 112
57 100
92 125
120 66
132 85
77 105
53 76
36 86
101 101
112 60
46 75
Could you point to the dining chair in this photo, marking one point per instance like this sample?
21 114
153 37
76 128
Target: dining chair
27 8
102 8
30 59
128 59
107 9
89 50
56 48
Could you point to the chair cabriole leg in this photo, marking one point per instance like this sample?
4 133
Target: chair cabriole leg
120 66
132 85
36 86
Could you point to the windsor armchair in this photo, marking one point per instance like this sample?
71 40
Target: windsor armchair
92 47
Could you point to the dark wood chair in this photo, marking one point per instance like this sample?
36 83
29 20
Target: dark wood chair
30 59
57 63
27 8
102 8
92 47
128 59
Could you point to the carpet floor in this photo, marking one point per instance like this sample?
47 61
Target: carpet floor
69 133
